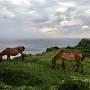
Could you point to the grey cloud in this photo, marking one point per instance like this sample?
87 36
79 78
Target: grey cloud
38 15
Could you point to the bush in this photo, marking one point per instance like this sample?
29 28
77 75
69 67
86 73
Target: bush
69 47
52 48
73 85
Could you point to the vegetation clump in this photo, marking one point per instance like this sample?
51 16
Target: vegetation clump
74 85
84 42
52 49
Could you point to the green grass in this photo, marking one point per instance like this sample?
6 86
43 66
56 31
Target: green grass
35 72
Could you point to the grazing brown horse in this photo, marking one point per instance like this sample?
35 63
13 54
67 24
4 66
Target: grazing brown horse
64 55
12 52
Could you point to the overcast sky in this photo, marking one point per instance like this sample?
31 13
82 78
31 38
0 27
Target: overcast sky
44 18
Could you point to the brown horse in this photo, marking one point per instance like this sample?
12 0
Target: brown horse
64 55
12 52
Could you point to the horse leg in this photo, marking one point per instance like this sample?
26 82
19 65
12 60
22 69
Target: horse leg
0 59
77 67
8 57
23 57
74 66
81 68
63 65
54 64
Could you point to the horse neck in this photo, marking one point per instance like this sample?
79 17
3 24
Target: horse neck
55 58
2 53
20 48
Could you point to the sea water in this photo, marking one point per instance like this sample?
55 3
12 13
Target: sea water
35 46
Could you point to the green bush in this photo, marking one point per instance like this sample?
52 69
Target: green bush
52 48
73 85
69 47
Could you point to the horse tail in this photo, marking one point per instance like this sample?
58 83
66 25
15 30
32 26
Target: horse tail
83 57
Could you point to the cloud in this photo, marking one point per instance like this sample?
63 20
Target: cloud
61 9
67 4
46 29
6 13
87 12
85 27
70 23
20 2
39 1
50 17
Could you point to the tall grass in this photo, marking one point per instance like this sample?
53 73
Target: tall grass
35 73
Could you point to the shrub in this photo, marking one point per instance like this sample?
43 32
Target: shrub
69 47
52 48
73 85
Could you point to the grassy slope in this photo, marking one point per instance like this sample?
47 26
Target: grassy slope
35 71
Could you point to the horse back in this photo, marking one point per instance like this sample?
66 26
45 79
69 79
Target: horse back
9 51
12 51
67 56
78 56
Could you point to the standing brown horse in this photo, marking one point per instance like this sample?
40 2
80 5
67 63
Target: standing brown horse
64 55
12 52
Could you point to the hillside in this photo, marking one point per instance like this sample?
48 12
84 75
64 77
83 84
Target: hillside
84 46
84 42
35 73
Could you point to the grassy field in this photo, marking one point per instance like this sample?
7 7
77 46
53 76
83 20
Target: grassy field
35 72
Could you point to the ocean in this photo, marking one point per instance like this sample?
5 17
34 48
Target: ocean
35 46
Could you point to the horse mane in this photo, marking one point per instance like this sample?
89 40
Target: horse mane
55 57
62 50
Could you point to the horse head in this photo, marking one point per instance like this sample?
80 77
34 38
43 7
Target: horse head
62 50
